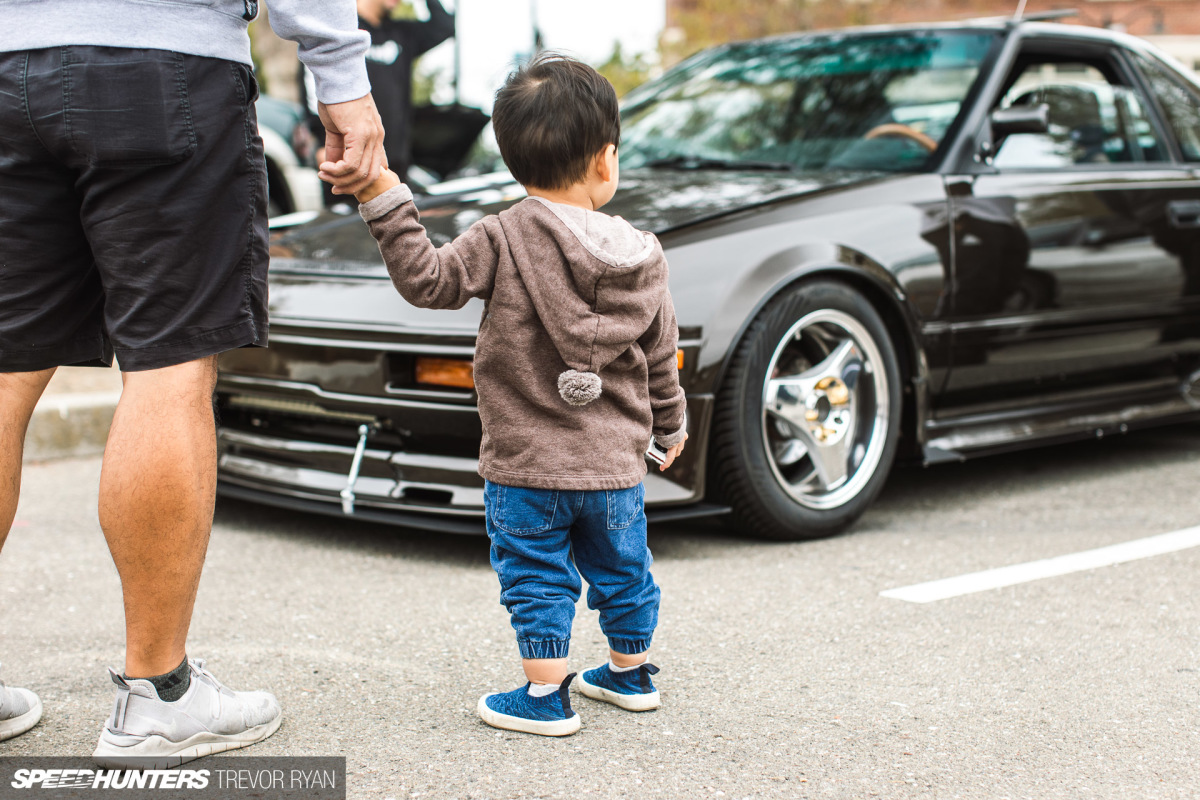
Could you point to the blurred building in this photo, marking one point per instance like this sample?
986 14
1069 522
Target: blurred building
1173 25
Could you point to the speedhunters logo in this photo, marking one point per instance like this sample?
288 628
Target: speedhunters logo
110 779
220 778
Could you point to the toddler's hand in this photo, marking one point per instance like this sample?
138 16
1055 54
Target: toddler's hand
386 180
672 454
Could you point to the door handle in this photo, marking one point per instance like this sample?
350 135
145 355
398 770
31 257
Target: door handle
1184 213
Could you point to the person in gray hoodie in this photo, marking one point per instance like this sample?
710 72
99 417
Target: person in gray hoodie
576 371
133 222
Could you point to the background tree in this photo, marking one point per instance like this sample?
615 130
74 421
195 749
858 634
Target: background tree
693 25
625 72
696 24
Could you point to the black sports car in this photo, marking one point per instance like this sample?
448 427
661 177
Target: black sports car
920 243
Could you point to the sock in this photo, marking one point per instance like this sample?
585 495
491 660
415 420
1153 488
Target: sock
173 685
614 668
542 689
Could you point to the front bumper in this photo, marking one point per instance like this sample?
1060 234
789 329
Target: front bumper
292 445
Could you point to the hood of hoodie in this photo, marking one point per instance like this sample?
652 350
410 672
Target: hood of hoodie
595 281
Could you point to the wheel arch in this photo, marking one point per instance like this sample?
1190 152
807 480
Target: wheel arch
278 189
914 368
885 295
278 155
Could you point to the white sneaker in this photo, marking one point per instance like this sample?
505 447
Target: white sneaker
20 710
209 718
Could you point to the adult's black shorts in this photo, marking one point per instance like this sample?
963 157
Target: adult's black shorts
133 208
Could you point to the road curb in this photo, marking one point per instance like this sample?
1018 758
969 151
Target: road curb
70 425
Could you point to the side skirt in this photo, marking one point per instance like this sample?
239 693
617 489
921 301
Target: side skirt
956 438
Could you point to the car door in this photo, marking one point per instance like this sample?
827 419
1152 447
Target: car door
1068 273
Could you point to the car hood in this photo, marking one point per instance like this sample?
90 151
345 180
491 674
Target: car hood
653 200
337 247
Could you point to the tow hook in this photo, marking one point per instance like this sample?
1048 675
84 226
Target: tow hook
347 494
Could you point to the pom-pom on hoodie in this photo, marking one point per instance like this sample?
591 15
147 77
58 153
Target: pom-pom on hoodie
575 364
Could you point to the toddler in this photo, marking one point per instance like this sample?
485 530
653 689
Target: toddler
575 369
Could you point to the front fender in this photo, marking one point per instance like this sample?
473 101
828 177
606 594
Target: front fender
874 237
797 264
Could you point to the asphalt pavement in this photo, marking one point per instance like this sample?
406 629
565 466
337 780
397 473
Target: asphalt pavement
784 672
74 413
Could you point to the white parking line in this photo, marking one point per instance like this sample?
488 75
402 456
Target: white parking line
1046 568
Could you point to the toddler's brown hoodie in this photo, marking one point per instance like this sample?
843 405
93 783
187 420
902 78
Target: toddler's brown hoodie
575 364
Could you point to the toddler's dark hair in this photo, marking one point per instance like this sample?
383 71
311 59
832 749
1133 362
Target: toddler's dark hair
551 118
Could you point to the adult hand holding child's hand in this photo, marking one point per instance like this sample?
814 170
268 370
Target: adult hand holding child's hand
354 152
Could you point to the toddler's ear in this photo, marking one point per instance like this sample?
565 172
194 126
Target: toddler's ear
606 162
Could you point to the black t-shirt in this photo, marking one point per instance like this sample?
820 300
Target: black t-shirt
394 46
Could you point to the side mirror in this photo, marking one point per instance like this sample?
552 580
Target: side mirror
1020 119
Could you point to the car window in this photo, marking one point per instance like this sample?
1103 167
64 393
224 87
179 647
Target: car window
1092 120
818 102
1180 105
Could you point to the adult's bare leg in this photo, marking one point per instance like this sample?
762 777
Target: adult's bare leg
157 491
19 393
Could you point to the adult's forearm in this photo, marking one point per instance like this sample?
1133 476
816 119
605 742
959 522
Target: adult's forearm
441 21
331 45
438 12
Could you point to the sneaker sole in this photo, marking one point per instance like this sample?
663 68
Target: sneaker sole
157 752
557 727
18 725
629 702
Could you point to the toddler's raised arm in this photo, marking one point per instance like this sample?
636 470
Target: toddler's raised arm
428 276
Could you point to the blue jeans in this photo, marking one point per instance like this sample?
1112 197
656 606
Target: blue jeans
543 539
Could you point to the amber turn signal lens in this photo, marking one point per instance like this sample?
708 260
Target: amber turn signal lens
446 372
461 374
679 358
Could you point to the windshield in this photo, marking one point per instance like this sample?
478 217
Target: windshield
879 101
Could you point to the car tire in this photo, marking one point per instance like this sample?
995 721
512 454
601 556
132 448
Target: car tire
808 416
278 200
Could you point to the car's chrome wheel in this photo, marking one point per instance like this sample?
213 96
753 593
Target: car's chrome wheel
807 418
825 409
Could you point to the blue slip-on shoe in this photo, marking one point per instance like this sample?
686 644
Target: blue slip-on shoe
518 710
632 690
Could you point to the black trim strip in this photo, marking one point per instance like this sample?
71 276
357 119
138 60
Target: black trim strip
1069 317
